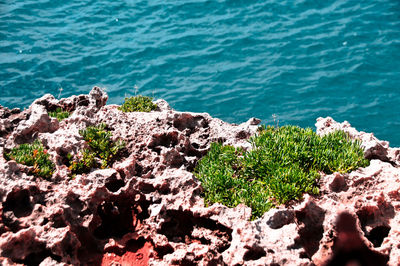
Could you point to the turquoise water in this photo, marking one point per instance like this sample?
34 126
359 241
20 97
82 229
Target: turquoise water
234 59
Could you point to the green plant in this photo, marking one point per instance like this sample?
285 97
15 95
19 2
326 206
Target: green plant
282 164
101 148
138 103
220 173
60 114
83 163
33 155
101 144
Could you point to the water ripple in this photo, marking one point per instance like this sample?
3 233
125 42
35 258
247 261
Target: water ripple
235 59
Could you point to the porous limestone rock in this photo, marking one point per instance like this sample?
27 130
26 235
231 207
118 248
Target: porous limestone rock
147 208
373 147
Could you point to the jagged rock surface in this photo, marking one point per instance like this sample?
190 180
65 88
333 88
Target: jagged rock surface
148 208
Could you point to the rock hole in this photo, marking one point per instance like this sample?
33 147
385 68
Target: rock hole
161 251
303 255
44 222
184 121
89 253
123 153
242 135
179 226
173 158
219 140
187 262
58 221
63 156
119 217
215 262
138 169
18 201
311 231
281 218
157 150
192 150
135 245
371 216
349 248
11 222
82 101
378 234
36 258
195 145
74 201
113 183
169 139
146 187
365 216
254 253
164 188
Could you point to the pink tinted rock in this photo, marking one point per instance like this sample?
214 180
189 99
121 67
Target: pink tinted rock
373 148
277 218
337 182
127 167
19 245
8 262
349 242
151 197
394 155
162 105
51 262
39 121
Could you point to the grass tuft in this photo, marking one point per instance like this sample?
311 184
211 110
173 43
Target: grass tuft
60 114
138 103
33 155
283 164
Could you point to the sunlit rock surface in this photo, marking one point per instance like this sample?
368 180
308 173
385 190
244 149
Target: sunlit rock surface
147 208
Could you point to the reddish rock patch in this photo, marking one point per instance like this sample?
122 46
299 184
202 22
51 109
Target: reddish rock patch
135 254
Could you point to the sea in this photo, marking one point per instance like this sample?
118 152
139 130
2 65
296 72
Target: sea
286 62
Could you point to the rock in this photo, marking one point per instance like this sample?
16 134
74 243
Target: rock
47 101
9 119
279 218
97 98
350 247
335 182
38 122
253 121
162 105
373 148
148 208
8 262
20 245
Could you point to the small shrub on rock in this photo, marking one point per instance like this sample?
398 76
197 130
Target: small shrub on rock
102 150
138 103
33 155
282 164
60 114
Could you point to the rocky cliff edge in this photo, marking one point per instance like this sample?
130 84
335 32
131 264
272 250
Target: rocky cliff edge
147 208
